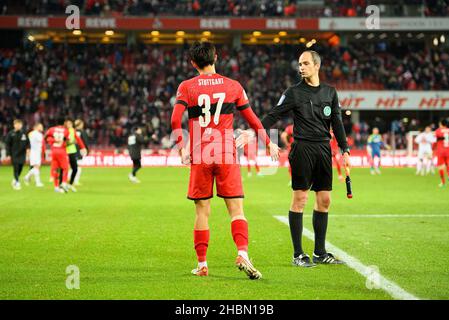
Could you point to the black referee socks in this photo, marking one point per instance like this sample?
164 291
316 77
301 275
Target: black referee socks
295 222
320 227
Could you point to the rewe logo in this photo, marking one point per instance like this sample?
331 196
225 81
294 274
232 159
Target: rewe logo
215 24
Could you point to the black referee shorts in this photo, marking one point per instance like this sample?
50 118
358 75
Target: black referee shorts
311 164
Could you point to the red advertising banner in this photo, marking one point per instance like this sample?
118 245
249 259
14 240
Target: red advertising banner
134 23
394 100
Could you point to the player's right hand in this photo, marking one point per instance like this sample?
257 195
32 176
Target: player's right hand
185 156
273 150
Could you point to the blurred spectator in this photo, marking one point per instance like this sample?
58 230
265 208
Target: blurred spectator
115 87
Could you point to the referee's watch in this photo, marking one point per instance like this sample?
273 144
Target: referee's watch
346 150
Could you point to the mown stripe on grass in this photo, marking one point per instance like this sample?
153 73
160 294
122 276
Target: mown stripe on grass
388 286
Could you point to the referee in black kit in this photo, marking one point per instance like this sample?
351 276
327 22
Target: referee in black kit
315 109
135 142
17 144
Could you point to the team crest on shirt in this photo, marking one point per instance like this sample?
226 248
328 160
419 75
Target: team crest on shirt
327 111
23 137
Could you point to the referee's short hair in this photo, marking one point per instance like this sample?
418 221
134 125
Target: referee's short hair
315 56
17 121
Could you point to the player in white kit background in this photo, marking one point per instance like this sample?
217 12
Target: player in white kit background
425 155
37 151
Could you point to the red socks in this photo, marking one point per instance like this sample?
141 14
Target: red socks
442 175
201 241
239 229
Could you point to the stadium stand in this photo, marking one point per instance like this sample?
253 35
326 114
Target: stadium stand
260 8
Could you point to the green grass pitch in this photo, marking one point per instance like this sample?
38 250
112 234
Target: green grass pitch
135 241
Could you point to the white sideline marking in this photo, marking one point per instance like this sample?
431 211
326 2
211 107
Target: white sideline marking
390 215
388 286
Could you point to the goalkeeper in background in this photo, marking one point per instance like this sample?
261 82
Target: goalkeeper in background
375 143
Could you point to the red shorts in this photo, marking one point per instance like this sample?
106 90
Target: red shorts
443 157
60 160
227 177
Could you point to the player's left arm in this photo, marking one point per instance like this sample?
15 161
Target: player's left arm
242 104
339 129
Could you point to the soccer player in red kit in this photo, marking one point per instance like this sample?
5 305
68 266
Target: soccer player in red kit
210 100
250 152
57 137
287 139
336 155
442 150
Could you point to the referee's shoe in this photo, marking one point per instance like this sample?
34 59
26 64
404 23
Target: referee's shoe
327 258
303 260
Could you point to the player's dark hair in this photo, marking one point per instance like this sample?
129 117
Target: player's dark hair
59 121
444 122
202 53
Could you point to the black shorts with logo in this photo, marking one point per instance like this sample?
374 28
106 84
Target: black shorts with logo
311 164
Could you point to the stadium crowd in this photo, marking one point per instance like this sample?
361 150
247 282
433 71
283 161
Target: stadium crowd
114 88
260 8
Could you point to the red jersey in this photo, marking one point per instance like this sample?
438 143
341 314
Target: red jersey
442 144
289 131
210 100
57 136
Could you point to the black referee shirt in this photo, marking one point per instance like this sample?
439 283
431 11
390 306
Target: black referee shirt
135 143
315 110
17 143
